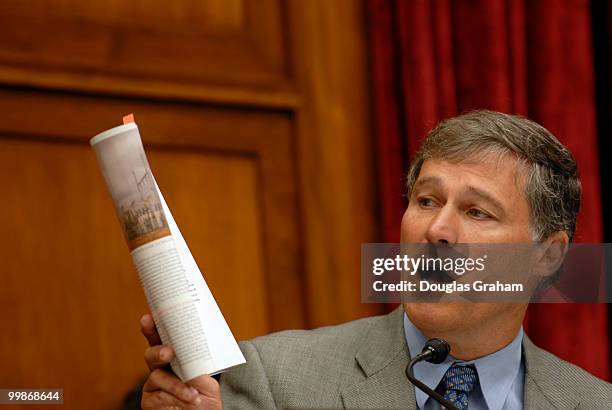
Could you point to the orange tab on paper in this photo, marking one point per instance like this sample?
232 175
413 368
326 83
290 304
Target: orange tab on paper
128 118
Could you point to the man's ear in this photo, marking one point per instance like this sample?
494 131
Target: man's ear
550 254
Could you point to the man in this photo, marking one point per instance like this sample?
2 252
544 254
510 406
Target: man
483 177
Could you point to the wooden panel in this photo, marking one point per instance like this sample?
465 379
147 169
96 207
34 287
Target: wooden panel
184 43
266 135
336 154
70 297
217 205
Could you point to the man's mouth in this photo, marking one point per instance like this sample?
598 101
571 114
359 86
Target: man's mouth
434 273
436 276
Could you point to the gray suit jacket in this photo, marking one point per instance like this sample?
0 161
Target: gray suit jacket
361 364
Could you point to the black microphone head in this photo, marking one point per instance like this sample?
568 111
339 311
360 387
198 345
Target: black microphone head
439 350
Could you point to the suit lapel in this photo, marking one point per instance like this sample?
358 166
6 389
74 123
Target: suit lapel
541 391
383 357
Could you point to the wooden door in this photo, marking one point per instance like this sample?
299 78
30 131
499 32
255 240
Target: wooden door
255 121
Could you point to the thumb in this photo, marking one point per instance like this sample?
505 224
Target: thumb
209 388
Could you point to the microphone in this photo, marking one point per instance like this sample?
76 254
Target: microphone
434 351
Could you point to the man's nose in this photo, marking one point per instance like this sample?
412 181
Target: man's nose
443 227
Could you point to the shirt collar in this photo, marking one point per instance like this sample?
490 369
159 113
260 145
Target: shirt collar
496 371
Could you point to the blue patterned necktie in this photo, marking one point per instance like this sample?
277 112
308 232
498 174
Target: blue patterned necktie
458 383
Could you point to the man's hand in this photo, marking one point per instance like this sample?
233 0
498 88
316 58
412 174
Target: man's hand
163 389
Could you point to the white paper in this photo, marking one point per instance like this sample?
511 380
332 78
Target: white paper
184 310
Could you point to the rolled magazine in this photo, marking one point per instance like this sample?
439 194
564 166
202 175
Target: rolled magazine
185 312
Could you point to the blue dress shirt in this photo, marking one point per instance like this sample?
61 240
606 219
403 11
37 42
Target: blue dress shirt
501 374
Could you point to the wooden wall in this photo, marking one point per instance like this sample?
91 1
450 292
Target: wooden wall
256 121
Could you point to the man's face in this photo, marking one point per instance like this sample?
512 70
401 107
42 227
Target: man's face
478 201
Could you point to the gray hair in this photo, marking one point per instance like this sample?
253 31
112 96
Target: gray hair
551 185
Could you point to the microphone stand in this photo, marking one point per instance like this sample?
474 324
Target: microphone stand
435 355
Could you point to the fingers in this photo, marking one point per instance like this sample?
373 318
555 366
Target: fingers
159 399
163 390
149 330
158 356
171 385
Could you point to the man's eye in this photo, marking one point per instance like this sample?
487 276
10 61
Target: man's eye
478 214
426 202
